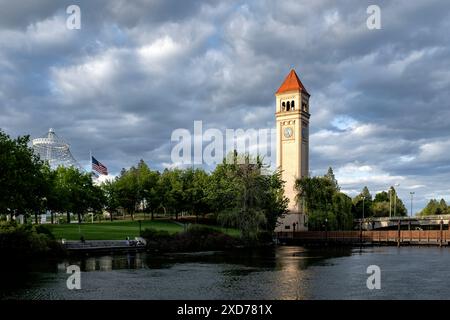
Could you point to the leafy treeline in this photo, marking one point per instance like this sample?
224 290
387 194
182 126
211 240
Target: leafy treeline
237 192
28 186
435 207
327 207
384 204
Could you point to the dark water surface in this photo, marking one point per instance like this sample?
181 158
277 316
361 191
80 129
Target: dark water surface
276 273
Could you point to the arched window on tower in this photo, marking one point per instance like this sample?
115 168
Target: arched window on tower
288 107
283 106
293 105
305 107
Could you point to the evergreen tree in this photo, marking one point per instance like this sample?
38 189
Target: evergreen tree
330 176
359 203
434 208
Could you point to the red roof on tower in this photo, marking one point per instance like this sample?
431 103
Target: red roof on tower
291 83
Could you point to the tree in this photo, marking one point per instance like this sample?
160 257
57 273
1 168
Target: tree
443 206
382 196
398 208
21 177
325 204
380 209
316 192
342 208
435 207
148 185
75 193
386 203
171 188
195 184
358 204
111 197
330 176
246 198
128 190
275 203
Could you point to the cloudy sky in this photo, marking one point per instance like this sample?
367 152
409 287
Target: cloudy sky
137 70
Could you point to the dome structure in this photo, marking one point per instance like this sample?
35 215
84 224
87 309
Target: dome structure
55 150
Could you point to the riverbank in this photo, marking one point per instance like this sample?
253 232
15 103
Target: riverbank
194 238
22 242
121 230
280 272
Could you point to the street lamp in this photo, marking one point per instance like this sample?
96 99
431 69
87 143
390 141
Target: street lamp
363 199
412 197
390 202
395 200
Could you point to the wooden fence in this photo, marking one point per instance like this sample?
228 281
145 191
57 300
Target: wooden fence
399 237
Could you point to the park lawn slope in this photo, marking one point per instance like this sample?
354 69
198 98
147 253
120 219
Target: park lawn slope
118 230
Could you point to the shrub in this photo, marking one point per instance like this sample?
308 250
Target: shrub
196 238
25 241
199 231
265 237
151 234
42 229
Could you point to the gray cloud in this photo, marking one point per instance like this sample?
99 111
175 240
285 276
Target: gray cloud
138 70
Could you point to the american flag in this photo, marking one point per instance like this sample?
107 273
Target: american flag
99 167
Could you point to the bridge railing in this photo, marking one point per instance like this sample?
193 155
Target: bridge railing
386 236
379 219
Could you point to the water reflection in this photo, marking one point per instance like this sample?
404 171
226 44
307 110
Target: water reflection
105 263
272 273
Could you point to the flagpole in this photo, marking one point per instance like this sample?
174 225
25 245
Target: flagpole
90 164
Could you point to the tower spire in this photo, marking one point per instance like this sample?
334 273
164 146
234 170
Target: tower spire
292 83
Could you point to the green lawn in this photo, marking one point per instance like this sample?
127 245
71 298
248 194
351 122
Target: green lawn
109 230
118 230
228 231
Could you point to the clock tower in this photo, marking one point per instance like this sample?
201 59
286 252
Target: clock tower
292 120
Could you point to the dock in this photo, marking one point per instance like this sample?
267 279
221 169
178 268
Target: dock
104 246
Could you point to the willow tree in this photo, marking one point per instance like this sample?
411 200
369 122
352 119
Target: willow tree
246 196
325 205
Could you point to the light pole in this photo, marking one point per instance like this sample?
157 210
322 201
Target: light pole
412 197
363 199
395 200
390 202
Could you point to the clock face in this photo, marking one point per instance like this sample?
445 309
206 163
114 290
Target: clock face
288 132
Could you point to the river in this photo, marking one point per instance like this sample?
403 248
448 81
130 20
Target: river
284 272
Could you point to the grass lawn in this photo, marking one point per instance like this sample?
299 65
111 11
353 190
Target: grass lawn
118 230
228 231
